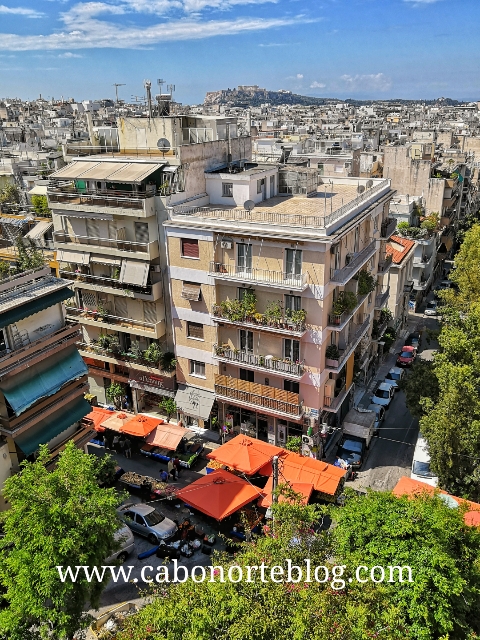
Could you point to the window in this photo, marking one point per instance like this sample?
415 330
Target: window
227 189
293 262
195 330
197 369
246 341
247 375
292 386
190 248
291 349
242 292
244 256
293 303
260 184
272 186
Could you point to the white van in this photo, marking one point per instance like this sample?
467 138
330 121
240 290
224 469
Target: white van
421 463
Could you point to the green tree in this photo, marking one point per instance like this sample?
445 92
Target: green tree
467 270
59 518
294 443
168 406
105 470
420 384
115 393
40 206
443 599
10 194
29 255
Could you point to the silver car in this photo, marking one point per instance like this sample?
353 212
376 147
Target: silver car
127 544
148 522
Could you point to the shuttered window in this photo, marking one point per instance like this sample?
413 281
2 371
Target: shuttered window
121 309
190 248
150 312
195 330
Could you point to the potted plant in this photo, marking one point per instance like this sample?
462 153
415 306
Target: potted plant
366 283
249 305
152 354
332 355
298 318
273 313
259 318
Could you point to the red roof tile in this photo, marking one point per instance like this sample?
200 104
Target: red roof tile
397 255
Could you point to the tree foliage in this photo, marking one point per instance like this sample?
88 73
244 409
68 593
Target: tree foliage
115 393
168 406
58 518
29 255
420 384
40 206
10 194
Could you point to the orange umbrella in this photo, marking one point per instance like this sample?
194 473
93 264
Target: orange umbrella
116 421
304 488
324 477
245 454
140 425
97 416
219 494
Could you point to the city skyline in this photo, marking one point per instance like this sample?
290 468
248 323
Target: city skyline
338 49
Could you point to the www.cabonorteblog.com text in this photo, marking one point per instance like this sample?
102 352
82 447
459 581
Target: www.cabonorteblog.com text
336 575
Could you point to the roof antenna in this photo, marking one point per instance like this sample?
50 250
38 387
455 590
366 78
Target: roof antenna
148 86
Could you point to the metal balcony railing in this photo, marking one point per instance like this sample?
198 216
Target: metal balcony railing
334 403
263 363
342 276
355 336
279 278
109 319
382 298
104 282
385 263
262 323
388 226
108 243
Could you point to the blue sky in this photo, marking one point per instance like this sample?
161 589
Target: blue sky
332 48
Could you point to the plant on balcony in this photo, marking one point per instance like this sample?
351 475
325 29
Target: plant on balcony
116 274
4 269
296 317
104 340
403 225
153 353
274 313
366 283
389 338
135 351
332 352
429 225
454 175
232 310
248 303
346 302
168 362
259 318
385 315
102 312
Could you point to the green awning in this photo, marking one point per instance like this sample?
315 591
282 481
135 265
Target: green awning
43 379
51 427
34 306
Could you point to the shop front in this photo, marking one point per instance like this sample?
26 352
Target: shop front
194 406
149 389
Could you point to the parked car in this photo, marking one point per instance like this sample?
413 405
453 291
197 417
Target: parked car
379 415
444 284
125 537
148 522
394 376
383 395
431 308
413 340
421 463
352 450
407 356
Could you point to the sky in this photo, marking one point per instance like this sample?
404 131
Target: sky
364 49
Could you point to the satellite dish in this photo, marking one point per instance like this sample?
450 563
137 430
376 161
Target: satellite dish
163 144
360 189
249 205
369 184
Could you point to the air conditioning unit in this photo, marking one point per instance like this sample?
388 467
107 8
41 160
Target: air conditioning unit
307 440
226 244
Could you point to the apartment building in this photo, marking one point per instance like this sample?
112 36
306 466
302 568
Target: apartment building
274 284
402 251
43 379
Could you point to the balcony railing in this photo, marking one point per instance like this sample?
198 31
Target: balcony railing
337 322
244 274
98 198
263 363
261 322
408 286
108 243
342 276
106 318
385 263
382 298
104 282
379 329
388 226
258 396
355 337
334 403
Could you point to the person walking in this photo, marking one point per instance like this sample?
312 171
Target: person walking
128 448
163 475
121 445
171 469
115 443
177 465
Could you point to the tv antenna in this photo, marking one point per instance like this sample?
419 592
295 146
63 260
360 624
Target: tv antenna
160 83
138 99
171 89
116 85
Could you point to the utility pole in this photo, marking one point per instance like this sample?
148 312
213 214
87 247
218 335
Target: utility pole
116 85
275 478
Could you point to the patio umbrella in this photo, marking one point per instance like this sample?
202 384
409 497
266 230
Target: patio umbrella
245 454
116 421
140 425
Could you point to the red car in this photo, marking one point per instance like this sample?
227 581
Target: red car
406 357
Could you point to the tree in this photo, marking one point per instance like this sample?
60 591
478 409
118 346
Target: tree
10 194
115 393
59 518
294 443
466 274
421 383
424 533
168 406
29 255
40 206
105 470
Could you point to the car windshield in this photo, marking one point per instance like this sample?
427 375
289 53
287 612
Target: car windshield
406 354
381 393
422 469
394 376
154 518
352 445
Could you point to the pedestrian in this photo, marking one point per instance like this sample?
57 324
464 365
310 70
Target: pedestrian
171 469
177 465
121 445
115 443
128 448
163 475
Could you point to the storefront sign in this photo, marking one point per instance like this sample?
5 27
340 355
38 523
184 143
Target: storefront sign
152 380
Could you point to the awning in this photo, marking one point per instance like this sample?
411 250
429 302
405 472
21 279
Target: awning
88 214
38 190
39 229
134 272
168 436
116 421
102 170
46 430
303 488
245 454
97 415
191 291
43 379
194 402
75 257
169 169
34 306
149 389
219 494
114 262
73 170
140 425
134 172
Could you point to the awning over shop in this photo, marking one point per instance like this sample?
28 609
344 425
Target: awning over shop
39 229
219 494
74 257
168 436
140 425
73 170
245 454
113 262
34 306
194 402
303 488
46 430
43 379
134 272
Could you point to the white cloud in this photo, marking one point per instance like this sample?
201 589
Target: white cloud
374 81
317 85
69 54
21 11
274 44
299 76
422 1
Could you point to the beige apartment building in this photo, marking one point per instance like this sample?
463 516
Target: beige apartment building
274 287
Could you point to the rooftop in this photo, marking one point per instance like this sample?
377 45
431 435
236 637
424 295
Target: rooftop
398 248
36 287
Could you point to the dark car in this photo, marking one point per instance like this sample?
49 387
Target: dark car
352 450
413 340
406 357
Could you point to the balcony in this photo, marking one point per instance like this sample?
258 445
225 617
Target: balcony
356 334
420 284
408 286
388 226
20 359
342 276
97 283
106 321
384 263
92 350
266 364
278 279
382 298
332 405
379 329
337 322
149 250
259 322
283 404
117 202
